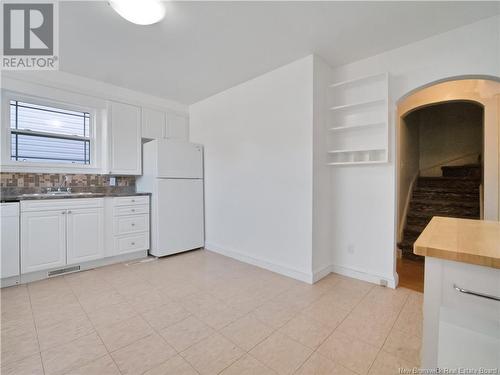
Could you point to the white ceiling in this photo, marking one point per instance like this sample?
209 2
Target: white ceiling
202 48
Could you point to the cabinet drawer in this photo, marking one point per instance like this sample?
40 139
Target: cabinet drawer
132 200
130 224
127 244
131 210
479 279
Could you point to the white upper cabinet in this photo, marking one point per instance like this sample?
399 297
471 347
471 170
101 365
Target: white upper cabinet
154 123
157 124
177 126
125 139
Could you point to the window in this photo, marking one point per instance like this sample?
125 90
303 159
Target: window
49 135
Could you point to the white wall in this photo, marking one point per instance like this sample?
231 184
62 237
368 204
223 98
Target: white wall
321 254
258 139
364 198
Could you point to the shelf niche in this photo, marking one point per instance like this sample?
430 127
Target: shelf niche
358 121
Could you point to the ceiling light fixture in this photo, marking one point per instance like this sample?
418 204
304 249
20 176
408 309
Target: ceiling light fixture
140 12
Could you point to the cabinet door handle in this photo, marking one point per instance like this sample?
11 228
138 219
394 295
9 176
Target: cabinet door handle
63 213
133 224
69 212
133 200
133 210
466 291
132 243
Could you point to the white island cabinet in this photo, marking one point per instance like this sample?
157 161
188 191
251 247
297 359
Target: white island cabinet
462 294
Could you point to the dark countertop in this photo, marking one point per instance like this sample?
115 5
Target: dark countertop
21 197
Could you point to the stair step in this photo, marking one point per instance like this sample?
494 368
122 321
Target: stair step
415 228
406 245
410 235
440 203
423 218
418 221
461 196
449 182
445 211
447 189
456 194
470 170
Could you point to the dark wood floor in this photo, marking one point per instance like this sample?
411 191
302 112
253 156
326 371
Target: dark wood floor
411 274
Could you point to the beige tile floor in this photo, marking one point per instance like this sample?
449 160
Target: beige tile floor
202 313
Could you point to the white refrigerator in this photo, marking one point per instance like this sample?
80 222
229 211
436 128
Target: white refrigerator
173 173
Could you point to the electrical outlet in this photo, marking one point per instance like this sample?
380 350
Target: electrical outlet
112 181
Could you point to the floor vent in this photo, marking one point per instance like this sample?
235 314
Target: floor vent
64 270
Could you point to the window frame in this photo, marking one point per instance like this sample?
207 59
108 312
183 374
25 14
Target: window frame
19 165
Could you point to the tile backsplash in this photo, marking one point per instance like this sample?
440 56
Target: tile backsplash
44 180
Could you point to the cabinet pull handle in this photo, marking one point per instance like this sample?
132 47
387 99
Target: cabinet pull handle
63 213
69 212
133 200
133 224
132 243
133 210
466 291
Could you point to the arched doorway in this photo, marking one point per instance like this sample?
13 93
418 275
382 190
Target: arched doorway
447 137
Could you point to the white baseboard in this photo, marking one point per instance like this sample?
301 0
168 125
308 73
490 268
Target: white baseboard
318 274
271 266
315 276
363 275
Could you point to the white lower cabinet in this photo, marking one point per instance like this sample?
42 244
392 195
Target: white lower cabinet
129 229
56 233
43 240
9 246
85 235
127 244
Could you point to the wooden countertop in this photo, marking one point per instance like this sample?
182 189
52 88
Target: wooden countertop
461 240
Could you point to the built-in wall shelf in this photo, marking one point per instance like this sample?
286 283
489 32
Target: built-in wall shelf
359 104
350 151
358 131
356 127
356 163
359 80
345 157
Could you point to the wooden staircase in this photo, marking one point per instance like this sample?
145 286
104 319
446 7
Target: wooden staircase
455 194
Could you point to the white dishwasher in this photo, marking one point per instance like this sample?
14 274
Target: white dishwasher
9 238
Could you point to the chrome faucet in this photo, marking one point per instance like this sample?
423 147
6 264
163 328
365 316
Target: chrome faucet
63 186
